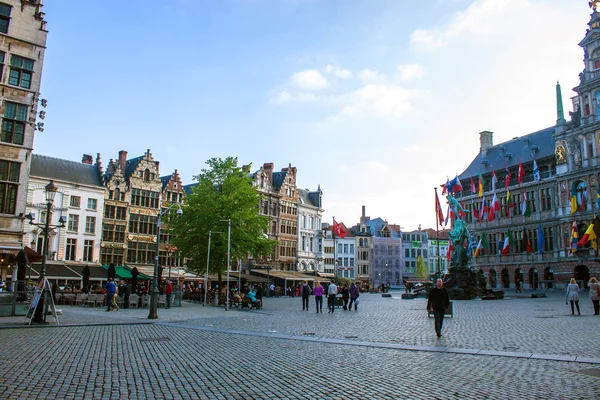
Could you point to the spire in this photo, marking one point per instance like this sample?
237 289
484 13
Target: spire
560 115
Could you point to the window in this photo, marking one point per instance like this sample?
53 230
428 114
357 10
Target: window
144 198
111 255
113 233
90 224
545 199
13 124
21 70
115 212
4 17
139 223
75 201
71 249
2 56
88 250
73 224
9 183
92 204
140 252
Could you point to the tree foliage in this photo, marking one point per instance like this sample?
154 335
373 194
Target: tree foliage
224 193
422 273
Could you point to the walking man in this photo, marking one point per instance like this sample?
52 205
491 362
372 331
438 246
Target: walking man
331 294
437 303
125 292
305 293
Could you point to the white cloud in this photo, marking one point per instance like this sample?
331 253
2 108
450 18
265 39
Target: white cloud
338 72
481 17
311 79
410 72
381 100
367 75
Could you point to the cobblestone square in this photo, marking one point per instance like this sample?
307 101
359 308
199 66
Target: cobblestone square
518 347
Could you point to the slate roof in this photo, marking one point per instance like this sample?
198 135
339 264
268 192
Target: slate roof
278 178
519 149
188 188
130 166
309 198
376 225
164 180
65 170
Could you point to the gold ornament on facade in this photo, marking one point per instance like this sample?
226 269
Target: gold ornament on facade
594 4
560 153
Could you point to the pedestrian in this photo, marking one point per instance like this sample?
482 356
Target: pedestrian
115 299
519 287
271 290
345 296
573 296
318 291
331 295
594 294
124 291
169 292
354 293
437 303
111 288
305 293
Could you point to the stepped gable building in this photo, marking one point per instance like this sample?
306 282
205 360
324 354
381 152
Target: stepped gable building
22 48
339 254
280 203
172 192
386 265
364 250
310 240
131 208
80 201
533 222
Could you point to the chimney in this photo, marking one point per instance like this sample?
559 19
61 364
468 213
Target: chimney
87 159
122 160
486 139
269 170
99 164
364 218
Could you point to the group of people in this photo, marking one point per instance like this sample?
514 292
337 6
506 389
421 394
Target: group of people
350 296
572 296
114 291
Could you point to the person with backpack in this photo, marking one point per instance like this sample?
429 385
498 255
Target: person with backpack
305 295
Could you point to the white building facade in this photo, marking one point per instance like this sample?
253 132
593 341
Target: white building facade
310 213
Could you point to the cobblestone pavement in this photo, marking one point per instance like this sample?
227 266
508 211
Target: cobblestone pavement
196 352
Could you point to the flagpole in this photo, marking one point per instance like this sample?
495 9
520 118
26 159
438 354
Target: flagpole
334 253
437 233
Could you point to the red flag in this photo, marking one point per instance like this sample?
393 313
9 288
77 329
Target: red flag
449 251
507 178
438 209
521 173
337 230
491 212
473 189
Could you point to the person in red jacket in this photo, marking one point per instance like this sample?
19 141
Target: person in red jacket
169 292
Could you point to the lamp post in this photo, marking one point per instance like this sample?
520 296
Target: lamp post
387 275
46 227
228 259
269 268
207 266
153 314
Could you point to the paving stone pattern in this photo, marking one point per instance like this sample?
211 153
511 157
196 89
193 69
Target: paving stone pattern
196 352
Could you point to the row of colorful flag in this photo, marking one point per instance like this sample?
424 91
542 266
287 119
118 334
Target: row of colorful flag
454 185
504 245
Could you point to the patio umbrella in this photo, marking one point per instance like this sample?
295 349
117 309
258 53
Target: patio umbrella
112 271
86 279
134 275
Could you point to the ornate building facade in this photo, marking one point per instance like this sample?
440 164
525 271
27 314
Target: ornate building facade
546 185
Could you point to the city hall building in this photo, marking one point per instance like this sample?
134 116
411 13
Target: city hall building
539 191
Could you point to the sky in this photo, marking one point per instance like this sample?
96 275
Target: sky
374 101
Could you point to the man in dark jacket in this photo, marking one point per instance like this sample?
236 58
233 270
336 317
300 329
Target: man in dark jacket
305 293
437 303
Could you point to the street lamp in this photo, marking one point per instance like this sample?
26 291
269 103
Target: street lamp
153 314
228 258
207 265
387 274
269 268
46 227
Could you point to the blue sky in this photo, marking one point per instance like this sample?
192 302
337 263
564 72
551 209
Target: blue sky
376 101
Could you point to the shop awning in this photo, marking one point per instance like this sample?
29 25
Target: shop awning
124 272
10 248
56 270
32 255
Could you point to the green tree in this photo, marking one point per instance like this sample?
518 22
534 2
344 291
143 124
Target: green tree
421 273
224 192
